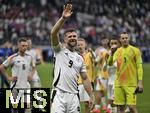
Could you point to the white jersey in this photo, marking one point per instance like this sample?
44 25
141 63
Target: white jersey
68 66
35 57
21 68
34 54
112 72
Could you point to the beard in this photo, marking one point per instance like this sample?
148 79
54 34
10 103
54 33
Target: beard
72 43
126 43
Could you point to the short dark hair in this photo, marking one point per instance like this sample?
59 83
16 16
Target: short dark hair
69 30
123 33
114 37
22 40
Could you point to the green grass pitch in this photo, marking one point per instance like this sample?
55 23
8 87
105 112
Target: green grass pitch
143 100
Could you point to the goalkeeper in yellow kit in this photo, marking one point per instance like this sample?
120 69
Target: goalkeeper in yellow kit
129 74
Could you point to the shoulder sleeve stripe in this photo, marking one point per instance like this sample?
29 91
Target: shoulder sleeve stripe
14 55
28 54
56 82
11 58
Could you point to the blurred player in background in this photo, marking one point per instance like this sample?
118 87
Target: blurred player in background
23 69
129 74
68 65
35 82
114 41
88 56
102 76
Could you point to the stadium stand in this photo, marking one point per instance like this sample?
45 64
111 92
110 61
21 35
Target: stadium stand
93 18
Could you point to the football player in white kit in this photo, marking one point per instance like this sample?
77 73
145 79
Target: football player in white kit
23 68
35 82
68 65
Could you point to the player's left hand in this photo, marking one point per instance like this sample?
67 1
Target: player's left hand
140 85
139 88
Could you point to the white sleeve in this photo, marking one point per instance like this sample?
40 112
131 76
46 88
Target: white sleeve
7 62
83 67
32 62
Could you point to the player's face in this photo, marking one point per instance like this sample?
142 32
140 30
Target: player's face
124 39
22 46
29 44
114 43
105 42
71 39
81 46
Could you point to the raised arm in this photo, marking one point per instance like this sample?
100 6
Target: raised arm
67 11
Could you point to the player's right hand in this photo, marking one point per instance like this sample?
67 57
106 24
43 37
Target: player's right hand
113 49
67 12
12 78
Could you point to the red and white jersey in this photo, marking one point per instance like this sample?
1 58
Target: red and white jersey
68 66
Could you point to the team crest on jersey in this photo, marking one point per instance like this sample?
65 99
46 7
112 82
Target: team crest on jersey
18 61
78 59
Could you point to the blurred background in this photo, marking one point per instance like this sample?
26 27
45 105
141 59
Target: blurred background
92 18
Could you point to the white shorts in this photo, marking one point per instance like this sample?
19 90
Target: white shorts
83 94
101 84
64 102
110 91
111 80
35 84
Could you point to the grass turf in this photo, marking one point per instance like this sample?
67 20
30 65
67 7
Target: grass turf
143 100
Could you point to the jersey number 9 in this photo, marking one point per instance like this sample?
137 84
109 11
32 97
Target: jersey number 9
70 63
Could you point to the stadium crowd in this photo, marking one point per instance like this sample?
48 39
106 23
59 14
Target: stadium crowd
95 19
